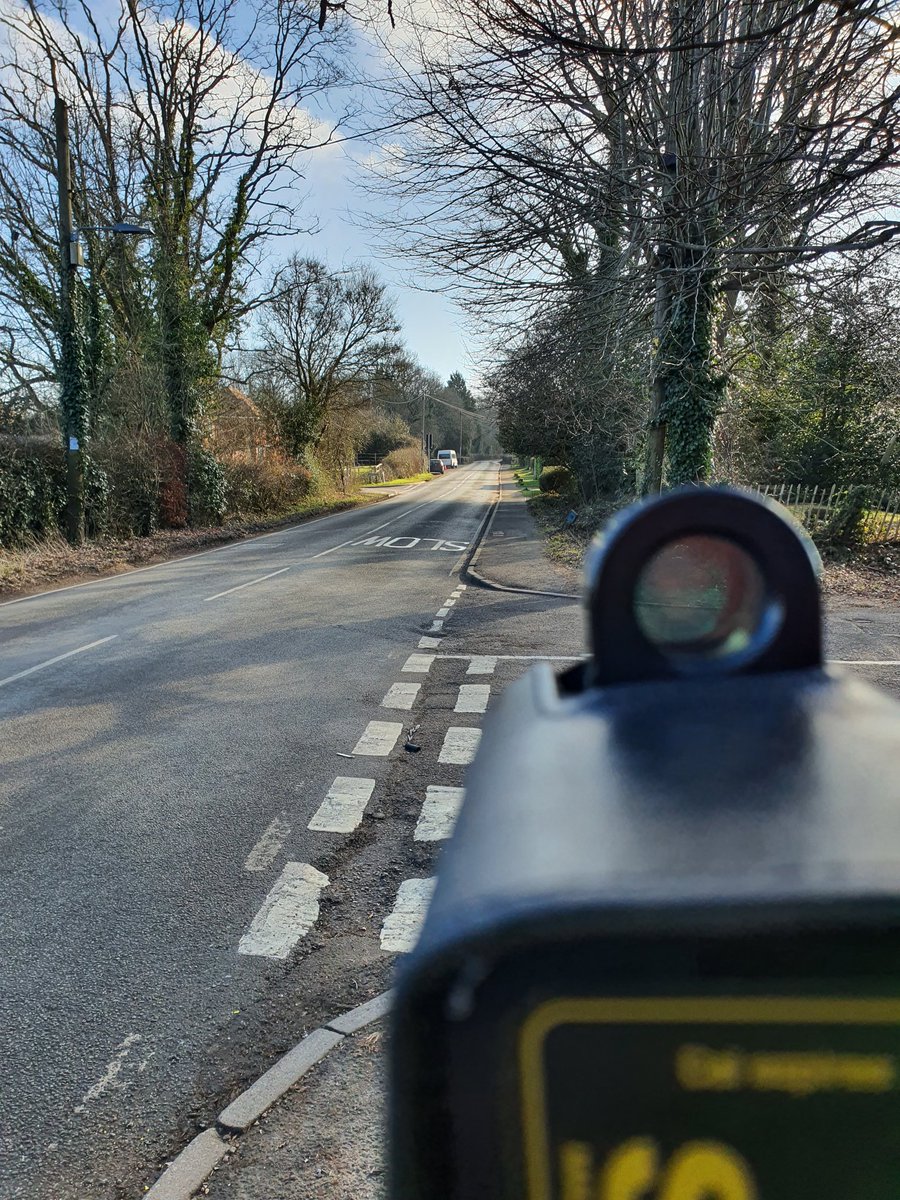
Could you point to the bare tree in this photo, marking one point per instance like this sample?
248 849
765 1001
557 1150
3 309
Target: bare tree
324 335
188 116
673 154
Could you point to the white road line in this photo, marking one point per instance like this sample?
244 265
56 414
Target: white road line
269 845
522 657
865 662
240 587
379 739
59 658
419 662
462 587
436 626
439 813
443 612
401 695
287 914
342 809
460 744
429 643
482 664
473 697
455 595
401 929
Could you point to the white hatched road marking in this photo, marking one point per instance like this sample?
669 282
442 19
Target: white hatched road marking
59 658
419 662
460 744
482 664
342 809
267 848
379 739
401 929
439 813
429 643
473 698
401 695
240 587
287 914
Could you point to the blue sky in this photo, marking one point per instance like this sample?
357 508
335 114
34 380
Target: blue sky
433 325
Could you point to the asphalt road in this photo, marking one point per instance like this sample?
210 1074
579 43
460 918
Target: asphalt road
169 922
155 780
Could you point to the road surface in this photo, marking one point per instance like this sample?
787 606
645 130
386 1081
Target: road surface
211 835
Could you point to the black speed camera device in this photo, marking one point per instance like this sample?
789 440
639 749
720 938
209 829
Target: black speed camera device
662 961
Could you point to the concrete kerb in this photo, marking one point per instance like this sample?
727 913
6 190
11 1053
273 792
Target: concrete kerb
189 1171
469 573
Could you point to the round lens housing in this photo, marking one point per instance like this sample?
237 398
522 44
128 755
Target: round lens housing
701 596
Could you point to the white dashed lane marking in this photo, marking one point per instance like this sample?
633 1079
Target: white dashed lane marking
473 698
267 848
379 739
459 745
287 914
419 662
482 664
401 695
59 658
429 643
342 809
442 612
401 929
439 813
240 587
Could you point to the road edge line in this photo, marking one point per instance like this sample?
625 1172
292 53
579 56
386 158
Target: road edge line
190 1169
468 572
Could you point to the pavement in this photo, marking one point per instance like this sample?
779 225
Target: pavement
214 841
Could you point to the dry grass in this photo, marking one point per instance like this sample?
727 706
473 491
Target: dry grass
52 561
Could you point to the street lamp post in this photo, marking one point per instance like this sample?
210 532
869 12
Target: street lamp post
71 365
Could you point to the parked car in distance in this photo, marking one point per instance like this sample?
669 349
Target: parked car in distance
436 467
448 458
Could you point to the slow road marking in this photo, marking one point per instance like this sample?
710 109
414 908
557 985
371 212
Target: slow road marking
342 809
59 658
439 813
402 927
287 914
379 739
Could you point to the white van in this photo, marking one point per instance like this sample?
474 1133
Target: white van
448 458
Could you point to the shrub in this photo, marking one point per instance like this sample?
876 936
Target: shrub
260 487
400 464
555 479
32 489
207 487
133 472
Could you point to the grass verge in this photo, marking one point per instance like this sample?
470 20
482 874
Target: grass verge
420 478
53 562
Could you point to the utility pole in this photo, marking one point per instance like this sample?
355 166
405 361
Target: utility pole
70 365
424 443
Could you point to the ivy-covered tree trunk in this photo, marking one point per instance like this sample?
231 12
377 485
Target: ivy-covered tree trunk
692 387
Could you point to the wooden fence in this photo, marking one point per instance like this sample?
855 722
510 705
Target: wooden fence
818 508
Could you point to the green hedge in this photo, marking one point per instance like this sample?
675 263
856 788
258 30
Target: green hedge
555 479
